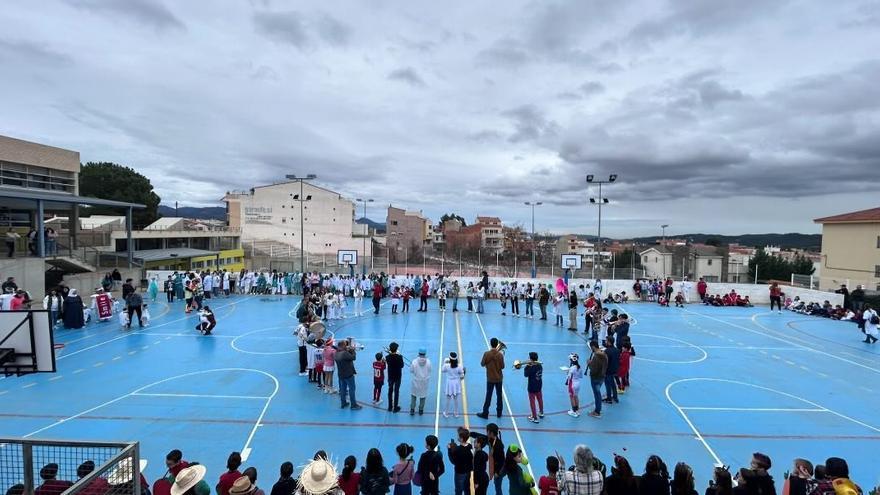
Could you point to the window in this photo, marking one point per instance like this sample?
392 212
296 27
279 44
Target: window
394 222
878 242
877 270
709 262
645 260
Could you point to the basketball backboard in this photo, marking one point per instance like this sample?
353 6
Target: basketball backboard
347 257
571 261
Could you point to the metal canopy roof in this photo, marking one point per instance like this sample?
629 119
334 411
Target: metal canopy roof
62 198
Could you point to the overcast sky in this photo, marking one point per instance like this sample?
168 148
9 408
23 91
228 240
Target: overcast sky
719 116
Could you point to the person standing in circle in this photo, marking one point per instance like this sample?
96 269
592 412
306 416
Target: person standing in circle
377 296
493 361
776 297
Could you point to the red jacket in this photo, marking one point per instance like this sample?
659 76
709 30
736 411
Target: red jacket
377 291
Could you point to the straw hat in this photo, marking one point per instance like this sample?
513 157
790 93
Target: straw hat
242 486
319 476
122 474
188 478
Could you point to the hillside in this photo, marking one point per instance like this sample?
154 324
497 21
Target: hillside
377 226
206 213
790 240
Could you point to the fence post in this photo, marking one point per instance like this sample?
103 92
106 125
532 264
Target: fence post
792 280
27 458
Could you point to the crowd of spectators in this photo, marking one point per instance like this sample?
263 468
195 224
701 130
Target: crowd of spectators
477 461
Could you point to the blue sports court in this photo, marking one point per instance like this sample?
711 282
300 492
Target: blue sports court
709 385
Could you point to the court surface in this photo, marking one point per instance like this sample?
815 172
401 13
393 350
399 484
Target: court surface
709 385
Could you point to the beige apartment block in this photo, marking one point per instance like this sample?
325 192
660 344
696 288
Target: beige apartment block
851 250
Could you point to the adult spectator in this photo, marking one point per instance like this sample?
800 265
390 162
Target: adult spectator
51 485
844 290
117 277
285 485
377 296
572 311
493 361
9 285
127 288
836 480
318 477
349 481
251 474
345 357
620 330
227 479
496 456
722 483
702 288
543 300
622 480
597 366
756 478
394 361
12 238
98 486
583 478
799 478
135 305
857 297
18 301
775 297
655 481
683 480
243 486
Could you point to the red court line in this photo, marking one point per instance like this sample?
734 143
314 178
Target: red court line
426 426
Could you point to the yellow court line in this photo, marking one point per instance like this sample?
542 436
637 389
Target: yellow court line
464 401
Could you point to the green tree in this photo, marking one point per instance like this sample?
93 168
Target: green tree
453 216
108 180
713 241
772 267
801 265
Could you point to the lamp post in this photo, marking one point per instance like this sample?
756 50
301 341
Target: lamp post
663 229
599 201
533 204
364 269
301 198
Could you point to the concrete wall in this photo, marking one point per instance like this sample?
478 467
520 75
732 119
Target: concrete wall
850 251
29 273
271 213
86 283
28 153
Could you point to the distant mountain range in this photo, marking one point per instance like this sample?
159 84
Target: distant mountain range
206 213
378 227
791 240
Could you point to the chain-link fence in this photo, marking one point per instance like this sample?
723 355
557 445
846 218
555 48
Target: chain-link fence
71 467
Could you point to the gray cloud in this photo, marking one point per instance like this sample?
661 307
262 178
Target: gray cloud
407 75
302 30
530 124
151 13
18 51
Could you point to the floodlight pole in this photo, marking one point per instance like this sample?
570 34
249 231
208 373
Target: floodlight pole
302 234
533 204
663 227
364 265
602 200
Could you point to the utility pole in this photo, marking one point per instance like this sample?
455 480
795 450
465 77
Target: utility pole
664 247
302 199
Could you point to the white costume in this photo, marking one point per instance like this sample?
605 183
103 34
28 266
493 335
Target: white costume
420 369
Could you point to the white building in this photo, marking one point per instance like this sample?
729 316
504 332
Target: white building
293 213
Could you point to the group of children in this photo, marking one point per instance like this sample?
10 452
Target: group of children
731 299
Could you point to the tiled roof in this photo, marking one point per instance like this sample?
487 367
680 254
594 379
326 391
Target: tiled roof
872 215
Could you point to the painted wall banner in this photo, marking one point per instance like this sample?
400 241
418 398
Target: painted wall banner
104 306
258 214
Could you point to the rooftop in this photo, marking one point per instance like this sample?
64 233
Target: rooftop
862 216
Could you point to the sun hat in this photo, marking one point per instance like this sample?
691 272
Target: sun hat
122 474
319 476
188 478
242 486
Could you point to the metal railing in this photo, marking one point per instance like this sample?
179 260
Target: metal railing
86 467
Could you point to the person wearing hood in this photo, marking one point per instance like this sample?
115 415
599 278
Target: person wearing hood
73 310
420 369
836 480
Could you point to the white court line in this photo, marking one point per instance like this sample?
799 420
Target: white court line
245 451
699 435
519 439
753 409
201 396
789 341
687 344
439 375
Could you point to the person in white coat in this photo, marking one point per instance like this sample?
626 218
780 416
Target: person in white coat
420 369
872 325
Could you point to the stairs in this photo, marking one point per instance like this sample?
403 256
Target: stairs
69 264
